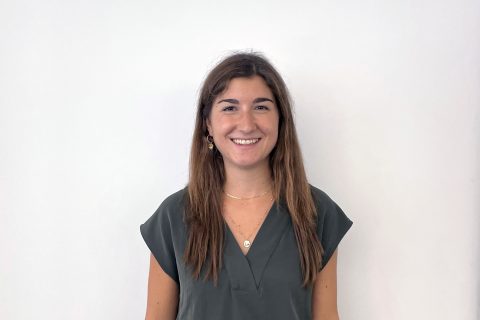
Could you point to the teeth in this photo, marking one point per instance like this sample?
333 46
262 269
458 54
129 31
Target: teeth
245 141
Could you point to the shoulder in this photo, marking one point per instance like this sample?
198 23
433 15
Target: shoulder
332 223
172 208
175 200
323 202
327 209
163 234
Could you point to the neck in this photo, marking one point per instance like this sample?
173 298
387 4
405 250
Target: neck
247 182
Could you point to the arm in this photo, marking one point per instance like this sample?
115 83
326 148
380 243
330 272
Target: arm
324 296
162 298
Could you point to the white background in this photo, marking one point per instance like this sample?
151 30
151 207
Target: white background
97 102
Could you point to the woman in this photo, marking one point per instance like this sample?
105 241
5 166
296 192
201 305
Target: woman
248 238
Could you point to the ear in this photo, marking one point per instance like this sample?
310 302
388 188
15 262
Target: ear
209 126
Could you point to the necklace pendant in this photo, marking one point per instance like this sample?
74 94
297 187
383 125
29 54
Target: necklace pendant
246 244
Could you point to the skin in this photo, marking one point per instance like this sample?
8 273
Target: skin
245 110
162 297
324 296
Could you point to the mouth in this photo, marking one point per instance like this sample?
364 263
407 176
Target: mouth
245 141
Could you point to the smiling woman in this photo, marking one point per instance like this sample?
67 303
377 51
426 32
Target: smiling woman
244 124
248 237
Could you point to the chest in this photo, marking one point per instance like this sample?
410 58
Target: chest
265 283
272 261
244 220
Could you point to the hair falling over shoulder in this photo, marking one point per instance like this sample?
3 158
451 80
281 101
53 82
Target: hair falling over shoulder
205 242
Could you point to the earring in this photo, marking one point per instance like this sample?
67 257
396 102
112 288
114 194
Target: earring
210 142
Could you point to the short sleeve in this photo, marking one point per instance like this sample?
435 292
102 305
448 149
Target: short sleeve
157 233
332 224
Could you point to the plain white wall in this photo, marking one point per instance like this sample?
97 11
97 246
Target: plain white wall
97 105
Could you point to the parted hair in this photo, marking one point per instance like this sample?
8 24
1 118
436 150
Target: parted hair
203 209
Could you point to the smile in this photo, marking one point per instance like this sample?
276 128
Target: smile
245 141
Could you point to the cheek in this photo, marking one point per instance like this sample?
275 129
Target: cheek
275 131
274 126
220 126
213 124
275 139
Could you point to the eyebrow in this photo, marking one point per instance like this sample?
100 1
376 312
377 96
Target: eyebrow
235 101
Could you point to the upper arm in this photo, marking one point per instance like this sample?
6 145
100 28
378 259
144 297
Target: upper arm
162 301
324 296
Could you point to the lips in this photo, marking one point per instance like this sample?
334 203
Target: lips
245 141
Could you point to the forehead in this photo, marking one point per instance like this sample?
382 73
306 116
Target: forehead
252 87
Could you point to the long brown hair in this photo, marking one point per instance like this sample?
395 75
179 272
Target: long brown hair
204 219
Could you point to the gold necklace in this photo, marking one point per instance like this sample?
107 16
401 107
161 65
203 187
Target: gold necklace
240 198
247 243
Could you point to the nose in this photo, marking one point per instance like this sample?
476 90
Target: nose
246 122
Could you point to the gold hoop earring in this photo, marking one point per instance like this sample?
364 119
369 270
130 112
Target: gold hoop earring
210 142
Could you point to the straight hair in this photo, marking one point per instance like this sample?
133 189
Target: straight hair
203 209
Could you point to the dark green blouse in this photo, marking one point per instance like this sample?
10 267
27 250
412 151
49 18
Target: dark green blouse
264 284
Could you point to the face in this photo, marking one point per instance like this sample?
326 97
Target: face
244 123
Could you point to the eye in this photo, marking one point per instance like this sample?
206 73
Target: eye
228 108
262 107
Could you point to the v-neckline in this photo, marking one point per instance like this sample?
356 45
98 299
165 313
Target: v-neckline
246 270
262 226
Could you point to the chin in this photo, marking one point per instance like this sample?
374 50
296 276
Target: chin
248 165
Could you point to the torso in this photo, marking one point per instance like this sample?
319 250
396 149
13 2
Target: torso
265 283
245 217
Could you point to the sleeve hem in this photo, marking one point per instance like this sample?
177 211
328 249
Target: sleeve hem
329 251
157 255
